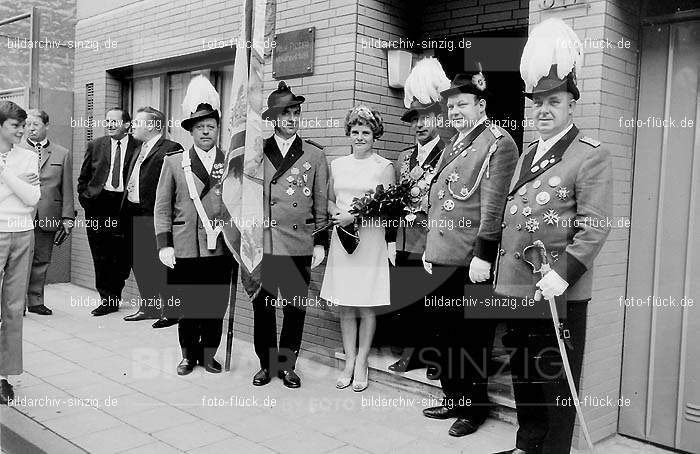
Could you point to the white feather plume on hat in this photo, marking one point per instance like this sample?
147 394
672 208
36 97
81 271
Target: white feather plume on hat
425 82
200 91
551 42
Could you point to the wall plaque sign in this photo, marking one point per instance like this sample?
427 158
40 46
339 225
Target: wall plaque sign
293 54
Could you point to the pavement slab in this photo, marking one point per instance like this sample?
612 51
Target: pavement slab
109 386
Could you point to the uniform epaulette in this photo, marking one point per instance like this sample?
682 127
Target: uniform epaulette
179 150
496 133
315 144
592 142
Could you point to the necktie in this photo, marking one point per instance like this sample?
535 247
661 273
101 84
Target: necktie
137 168
116 167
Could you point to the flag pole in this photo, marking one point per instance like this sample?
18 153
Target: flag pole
247 23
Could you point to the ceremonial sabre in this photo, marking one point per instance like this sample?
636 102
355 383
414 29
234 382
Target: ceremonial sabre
543 269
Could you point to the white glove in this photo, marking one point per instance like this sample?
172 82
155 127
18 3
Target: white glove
167 256
552 285
319 255
479 270
427 265
391 249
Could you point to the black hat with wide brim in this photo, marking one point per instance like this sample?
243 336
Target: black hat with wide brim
279 100
203 111
418 108
474 83
551 83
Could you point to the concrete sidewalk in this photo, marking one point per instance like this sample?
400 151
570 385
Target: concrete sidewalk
110 386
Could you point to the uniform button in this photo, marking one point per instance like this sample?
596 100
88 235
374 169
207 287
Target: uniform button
510 197
294 226
274 181
516 255
272 203
502 252
503 225
294 204
442 232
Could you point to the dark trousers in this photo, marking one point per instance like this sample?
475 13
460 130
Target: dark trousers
546 412
149 272
290 276
201 287
464 343
406 326
110 255
43 247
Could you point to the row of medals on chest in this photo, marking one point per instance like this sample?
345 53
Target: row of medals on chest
295 179
551 217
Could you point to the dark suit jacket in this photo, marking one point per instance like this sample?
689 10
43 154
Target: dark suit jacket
566 204
95 168
464 225
176 221
411 237
150 172
56 183
296 197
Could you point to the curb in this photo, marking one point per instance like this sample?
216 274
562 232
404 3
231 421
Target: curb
20 434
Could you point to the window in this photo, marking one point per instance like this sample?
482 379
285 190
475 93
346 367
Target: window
163 85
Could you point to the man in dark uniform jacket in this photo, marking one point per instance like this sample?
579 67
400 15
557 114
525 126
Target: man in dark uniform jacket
55 212
295 203
466 209
101 187
137 211
561 194
189 213
409 282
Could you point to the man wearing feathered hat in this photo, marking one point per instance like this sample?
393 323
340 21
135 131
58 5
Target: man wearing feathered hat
188 221
417 163
295 204
464 219
561 195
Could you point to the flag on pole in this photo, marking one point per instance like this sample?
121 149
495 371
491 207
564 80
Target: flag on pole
242 191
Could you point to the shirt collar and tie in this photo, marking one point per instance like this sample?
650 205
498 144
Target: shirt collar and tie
424 150
133 186
207 157
284 144
462 135
115 181
543 146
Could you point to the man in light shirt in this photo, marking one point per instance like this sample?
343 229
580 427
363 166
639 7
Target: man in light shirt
137 217
187 213
101 186
19 195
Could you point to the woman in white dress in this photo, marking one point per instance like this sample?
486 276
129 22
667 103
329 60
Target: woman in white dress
359 281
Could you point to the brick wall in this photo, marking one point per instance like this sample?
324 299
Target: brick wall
457 17
57 24
609 84
143 31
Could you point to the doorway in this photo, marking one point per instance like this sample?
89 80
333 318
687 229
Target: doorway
661 353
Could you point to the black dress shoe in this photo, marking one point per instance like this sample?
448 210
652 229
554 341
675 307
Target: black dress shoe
212 366
185 367
139 315
261 378
432 373
512 451
165 322
104 309
40 309
462 427
440 412
6 392
289 378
